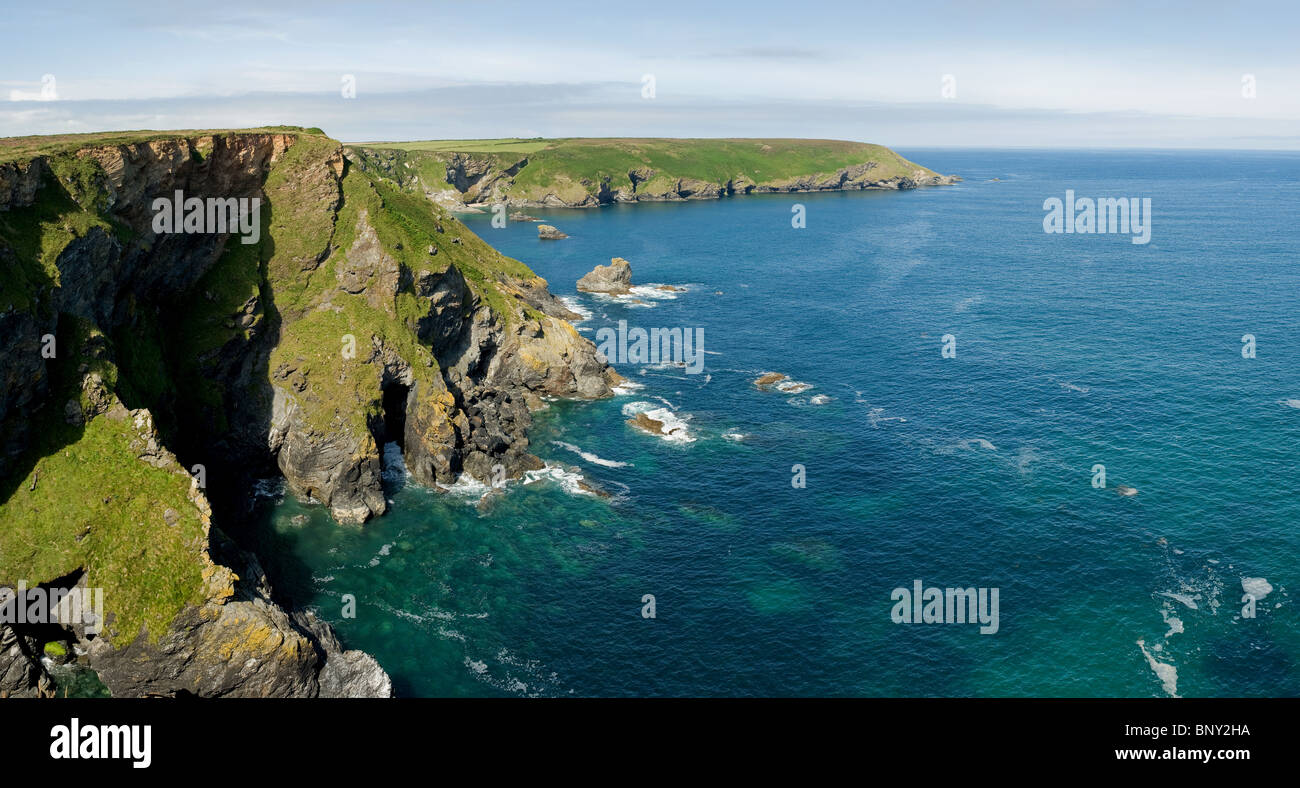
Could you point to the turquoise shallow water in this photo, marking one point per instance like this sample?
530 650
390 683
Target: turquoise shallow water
1072 350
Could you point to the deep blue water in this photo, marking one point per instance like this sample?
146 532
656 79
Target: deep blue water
974 471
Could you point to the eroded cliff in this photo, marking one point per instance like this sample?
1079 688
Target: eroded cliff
151 376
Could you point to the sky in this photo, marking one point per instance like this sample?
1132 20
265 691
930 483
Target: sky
905 74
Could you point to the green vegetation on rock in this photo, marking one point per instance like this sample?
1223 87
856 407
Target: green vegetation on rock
88 503
589 171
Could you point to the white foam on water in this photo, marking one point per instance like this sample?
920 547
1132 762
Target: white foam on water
820 399
1024 458
733 435
272 488
628 387
1174 623
1257 587
394 464
674 428
383 553
651 290
574 305
642 296
1072 387
467 487
874 416
1290 403
789 386
541 680
1168 674
589 457
971 443
567 479
1186 599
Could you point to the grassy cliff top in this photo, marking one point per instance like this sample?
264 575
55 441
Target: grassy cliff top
21 148
762 160
572 170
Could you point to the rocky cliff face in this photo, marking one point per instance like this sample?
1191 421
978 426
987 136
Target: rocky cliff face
361 316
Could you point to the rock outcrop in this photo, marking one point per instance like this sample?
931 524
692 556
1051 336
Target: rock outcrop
547 232
362 316
614 279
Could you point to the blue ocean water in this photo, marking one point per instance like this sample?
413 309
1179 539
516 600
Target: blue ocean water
973 471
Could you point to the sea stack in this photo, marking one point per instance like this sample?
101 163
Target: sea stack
546 232
615 278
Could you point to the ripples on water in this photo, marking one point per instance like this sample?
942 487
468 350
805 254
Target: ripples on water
974 471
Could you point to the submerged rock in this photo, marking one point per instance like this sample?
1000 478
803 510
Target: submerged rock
644 422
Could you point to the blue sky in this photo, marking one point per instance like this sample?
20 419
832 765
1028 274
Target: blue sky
1045 74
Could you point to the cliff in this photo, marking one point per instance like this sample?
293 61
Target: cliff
581 173
150 377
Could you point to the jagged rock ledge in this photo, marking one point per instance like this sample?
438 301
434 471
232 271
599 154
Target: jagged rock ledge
362 316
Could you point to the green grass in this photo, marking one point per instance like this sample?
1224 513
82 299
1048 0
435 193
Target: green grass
37 234
23 148
574 168
466 146
714 160
81 499
87 502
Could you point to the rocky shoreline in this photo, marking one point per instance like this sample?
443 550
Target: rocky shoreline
359 320
465 181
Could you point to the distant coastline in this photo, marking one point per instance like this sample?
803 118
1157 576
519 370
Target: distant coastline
590 172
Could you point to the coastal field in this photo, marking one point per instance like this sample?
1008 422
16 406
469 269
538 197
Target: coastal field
22 148
590 171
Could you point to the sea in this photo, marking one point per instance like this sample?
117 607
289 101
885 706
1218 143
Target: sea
1102 433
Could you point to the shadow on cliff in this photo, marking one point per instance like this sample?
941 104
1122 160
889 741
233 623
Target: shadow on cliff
225 434
52 432
23 233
